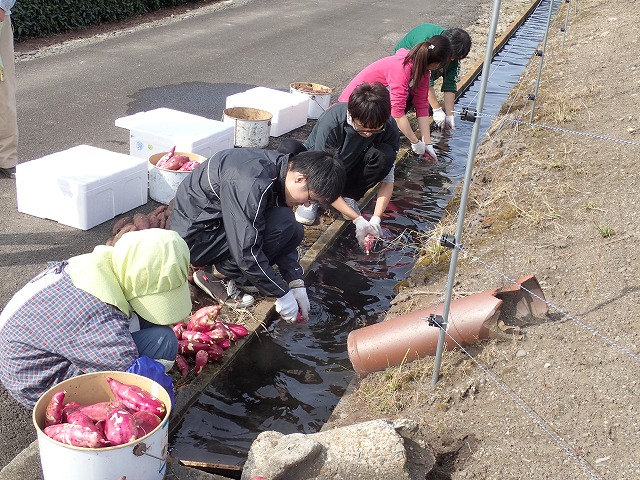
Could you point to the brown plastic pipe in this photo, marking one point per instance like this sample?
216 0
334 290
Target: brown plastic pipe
473 318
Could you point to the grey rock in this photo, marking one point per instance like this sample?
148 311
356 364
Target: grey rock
378 449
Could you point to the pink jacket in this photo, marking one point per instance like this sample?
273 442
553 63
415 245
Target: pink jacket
392 74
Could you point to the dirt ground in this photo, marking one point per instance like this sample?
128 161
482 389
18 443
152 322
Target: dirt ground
565 207
564 402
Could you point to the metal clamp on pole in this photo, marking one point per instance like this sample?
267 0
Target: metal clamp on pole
469 116
436 321
448 241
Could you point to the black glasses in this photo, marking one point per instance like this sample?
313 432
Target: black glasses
309 201
362 131
368 131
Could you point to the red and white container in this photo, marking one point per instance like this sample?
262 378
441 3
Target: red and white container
143 459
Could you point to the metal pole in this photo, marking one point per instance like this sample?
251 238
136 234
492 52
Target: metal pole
566 22
544 46
465 189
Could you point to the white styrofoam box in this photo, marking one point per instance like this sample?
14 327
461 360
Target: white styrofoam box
289 110
82 186
158 130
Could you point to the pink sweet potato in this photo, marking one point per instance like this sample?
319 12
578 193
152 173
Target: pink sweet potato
218 332
188 166
224 343
215 352
68 407
178 328
202 357
182 365
154 221
96 412
121 223
120 427
76 435
193 336
239 330
165 158
204 319
53 413
160 209
79 418
141 221
368 243
129 227
227 331
187 348
146 422
174 163
136 398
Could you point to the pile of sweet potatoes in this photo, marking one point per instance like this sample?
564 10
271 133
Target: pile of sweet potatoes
176 161
159 218
203 338
132 414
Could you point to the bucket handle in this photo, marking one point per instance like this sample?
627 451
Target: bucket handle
313 97
141 449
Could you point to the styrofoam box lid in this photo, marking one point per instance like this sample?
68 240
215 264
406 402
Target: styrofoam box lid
82 167
174 124
269 96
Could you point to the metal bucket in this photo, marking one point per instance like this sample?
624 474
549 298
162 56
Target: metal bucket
319 96
252 126
142 459
163 183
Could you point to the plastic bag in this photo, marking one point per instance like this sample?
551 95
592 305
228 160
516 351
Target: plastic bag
147 367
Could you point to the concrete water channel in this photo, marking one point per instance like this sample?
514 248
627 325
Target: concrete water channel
289 378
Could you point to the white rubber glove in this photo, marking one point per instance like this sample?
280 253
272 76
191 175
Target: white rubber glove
439 117
418 148
429 150
374 221
362 228
300 293
450 122
287 307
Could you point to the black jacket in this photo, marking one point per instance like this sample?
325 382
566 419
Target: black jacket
220 207
333 134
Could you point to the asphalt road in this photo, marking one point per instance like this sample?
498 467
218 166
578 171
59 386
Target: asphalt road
73 95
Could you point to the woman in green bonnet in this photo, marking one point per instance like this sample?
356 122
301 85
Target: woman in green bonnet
95 312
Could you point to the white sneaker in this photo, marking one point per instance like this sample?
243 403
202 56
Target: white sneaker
307 215
353 204
224 291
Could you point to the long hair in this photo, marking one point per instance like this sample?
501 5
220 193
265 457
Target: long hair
435 50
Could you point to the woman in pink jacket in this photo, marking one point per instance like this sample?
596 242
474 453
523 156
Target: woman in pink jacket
406 75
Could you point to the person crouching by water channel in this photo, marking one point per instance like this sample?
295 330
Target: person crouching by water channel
365 138
407 75
234 212
95 312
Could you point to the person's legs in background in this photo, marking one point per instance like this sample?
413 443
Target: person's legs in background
377 162
8 115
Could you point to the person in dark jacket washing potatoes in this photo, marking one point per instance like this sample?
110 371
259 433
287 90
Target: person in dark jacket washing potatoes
96 312
234 212
365 138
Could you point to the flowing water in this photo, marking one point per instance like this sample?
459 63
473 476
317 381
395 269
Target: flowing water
291 378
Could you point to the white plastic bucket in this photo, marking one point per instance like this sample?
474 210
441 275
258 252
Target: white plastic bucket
319 96
252 126
142 459
163 183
